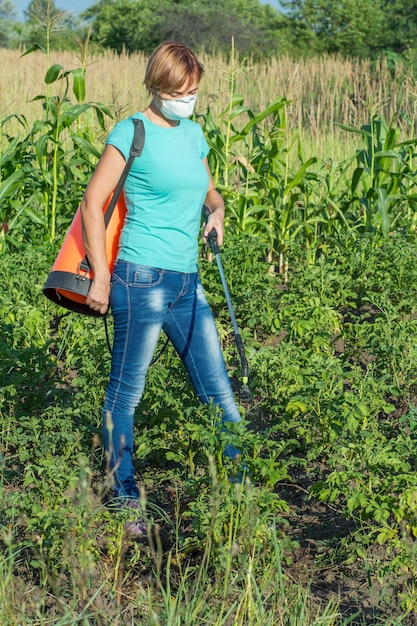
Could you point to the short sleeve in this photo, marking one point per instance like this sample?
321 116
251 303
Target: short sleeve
121 137
204 148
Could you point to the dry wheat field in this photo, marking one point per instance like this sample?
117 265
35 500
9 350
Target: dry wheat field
322 92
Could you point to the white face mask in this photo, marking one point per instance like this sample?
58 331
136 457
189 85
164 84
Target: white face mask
179 108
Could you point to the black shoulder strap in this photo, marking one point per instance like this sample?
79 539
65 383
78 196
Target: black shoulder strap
135 151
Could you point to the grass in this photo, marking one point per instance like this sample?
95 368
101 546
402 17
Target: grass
146 584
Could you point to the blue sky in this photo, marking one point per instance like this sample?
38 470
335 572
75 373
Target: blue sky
76 6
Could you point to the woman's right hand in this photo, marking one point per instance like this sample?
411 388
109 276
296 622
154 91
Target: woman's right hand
102 183
98 295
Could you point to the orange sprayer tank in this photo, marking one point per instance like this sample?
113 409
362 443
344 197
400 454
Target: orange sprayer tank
68 282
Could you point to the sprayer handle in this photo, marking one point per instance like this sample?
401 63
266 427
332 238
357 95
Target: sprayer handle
212 236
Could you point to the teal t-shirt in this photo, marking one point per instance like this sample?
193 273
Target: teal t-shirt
164 193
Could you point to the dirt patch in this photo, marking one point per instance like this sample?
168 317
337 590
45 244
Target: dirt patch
326 561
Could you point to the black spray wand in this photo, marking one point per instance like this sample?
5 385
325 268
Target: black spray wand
245 393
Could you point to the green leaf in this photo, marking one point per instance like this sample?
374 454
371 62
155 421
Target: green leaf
257 119
72 114
298 176
79 84
34 48
10 184
101 110
382 205
352 129
34 217
391 154
53 73
41 149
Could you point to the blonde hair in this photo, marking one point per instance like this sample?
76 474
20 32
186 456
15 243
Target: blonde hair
171 66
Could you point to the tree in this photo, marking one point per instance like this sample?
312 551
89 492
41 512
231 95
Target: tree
349 27
126 24
213 23
136 25
7 10
7 15
401 19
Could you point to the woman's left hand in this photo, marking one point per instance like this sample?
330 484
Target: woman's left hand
215 222
215 204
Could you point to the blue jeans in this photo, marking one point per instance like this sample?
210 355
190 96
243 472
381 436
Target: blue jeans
143 301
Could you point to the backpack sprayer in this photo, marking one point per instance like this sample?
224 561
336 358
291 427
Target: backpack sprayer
70 278
245 393
71 275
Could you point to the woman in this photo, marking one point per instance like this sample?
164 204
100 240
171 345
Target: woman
155 284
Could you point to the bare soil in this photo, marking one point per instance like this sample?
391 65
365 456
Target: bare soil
326 562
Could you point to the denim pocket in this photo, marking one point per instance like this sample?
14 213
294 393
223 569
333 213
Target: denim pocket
145 276
134 275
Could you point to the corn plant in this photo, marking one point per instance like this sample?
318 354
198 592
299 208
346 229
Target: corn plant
251 166
382 186
250 157
43 173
